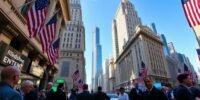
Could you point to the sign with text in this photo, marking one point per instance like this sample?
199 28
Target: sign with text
36 70
10 56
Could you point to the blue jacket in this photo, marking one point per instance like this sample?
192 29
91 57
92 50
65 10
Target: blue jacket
8 93
183 93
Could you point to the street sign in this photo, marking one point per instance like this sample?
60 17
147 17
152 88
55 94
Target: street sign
60 81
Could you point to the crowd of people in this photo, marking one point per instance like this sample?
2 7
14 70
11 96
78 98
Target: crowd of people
28 91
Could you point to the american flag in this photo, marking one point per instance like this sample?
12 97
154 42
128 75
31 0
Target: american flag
53 50
36 17
142 72
48 33
76 75
198 52
80 84
192 11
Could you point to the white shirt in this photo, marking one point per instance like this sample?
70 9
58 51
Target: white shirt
123 96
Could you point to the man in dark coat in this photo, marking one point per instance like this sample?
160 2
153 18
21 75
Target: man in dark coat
152 93
183 92
135 93
28 91
73 95
31 96
49 92
85 95
59 94
100 95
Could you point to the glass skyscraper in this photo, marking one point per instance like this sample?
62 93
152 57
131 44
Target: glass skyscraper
96 58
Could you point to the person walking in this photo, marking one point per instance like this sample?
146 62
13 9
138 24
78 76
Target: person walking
10 76
122 94
42 95
49 92
183 91
73 95
99 95
28 91
152 93
85 95
170 92
135 93
60 94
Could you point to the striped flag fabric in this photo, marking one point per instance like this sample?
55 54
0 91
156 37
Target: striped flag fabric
192 11
76 75
80 84
36 17
53 50
48 33
142 72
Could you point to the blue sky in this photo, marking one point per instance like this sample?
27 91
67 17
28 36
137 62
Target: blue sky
168 16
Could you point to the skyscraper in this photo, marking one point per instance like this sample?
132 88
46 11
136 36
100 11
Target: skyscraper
96 58
123 26
165 46
73 46
152 26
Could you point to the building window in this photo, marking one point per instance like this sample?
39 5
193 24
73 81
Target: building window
79 46
65 34
67 46
77 54
63 45
75 46
65 69
70 54
70 45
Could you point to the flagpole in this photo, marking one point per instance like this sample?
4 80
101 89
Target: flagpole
196 36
